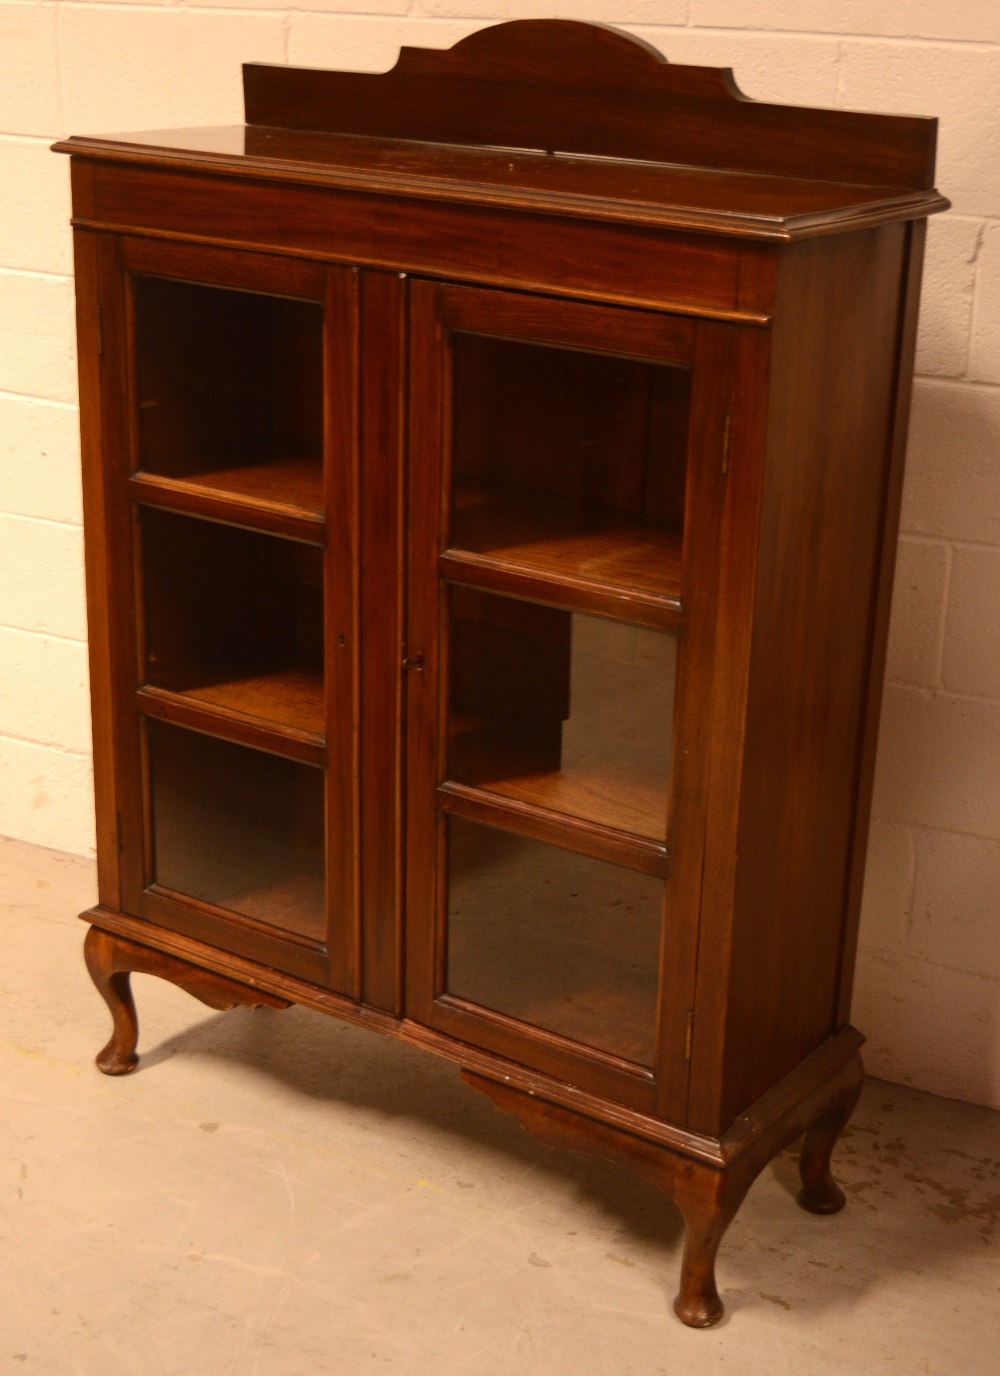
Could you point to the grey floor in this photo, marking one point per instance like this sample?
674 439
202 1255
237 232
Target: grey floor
276 1194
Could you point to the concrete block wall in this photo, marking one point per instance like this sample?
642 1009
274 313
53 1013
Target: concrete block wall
928 992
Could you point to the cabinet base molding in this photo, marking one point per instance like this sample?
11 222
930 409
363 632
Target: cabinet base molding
706 1177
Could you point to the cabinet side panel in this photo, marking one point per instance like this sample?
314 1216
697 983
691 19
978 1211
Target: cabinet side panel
89 351
829 439
915 244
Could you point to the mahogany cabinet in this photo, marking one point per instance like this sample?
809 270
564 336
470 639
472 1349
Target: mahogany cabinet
492 472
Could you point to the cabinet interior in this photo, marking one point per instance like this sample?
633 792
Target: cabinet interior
238 828
234 618
229 390
556 939
529 692
569 462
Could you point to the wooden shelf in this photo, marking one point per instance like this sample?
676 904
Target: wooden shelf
284 496
603 559
626 799
285 697
295 482
281 710
294 908
592 838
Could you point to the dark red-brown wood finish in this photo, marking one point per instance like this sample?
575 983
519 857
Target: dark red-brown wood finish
491 477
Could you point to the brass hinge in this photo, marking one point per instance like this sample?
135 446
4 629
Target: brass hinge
118 832
726 427
100 331
688 1035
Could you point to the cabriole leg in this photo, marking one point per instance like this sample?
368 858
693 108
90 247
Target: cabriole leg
112 959
118 1057
708 1198
820 1193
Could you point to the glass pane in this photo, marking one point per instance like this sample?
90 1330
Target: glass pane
566 711
238 828
556 939
230 389
570 462
234 618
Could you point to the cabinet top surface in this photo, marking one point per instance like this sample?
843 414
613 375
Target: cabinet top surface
567 118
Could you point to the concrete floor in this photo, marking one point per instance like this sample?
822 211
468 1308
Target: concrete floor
277 1194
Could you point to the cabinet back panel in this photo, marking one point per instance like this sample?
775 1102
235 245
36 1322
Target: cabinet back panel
224 378
225 606
589 428
529 694
562 85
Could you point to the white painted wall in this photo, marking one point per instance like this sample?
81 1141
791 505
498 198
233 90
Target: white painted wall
929 975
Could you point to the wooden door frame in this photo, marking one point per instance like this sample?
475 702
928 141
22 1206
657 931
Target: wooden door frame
106 261
435 309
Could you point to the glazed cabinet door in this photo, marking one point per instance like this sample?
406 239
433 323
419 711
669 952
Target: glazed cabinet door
565 482
228 481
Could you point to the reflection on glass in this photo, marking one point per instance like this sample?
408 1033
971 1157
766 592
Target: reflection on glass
229 389
234 618
570 462
556 939
238 828
566 711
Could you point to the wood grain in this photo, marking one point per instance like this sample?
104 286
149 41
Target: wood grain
807 675
384 306
472 242
282 708
565 544
257 498
760 210
886 567
97 546
563 86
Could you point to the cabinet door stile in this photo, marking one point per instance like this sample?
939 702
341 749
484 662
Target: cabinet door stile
712 405
95 426
725 751
426 431
341 334
122 590
382 430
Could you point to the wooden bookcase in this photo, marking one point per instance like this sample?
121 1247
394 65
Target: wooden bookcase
492 472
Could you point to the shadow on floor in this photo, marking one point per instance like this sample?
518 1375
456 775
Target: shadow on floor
888 1162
